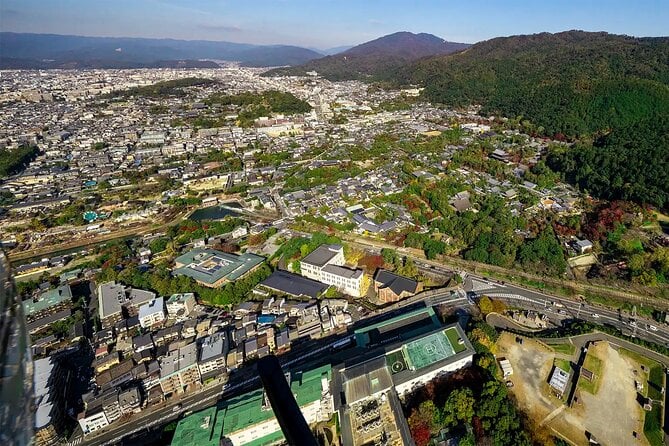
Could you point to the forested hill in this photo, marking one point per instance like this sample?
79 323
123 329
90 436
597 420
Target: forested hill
572 83
611 89
376 57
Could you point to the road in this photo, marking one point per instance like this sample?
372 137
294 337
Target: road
561 308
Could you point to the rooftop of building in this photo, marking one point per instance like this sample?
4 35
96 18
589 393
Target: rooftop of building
203 428
110 297
42 372
47 299
401 327
151 307
322 255
398 284
342 271
249 409
294 284
209 265
182 297
213 347
178 359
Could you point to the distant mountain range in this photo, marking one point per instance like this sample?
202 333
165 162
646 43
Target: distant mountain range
376 57
58 51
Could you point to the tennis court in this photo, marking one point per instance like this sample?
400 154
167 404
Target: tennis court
428 350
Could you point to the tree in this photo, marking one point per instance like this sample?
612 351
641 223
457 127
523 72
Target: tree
459 407
389 256
485 305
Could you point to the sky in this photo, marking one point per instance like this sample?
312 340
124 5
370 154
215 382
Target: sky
330 23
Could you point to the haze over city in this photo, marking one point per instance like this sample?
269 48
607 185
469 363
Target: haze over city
329 23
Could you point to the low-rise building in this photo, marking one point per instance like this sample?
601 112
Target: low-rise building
213 268
391 287
152 313
179 369
180 306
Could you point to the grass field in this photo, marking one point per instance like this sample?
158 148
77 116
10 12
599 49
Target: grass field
453 338
563 364
652 426
565 349
595 365
655 371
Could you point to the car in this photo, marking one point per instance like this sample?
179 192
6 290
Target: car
595 315
509 384
633 323
177 408
652 327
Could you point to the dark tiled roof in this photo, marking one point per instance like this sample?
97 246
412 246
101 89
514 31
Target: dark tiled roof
293 284
396 283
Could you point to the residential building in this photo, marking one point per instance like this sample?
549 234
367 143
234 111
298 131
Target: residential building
180 306
152 313
179 369
111 296
48 302
50 388
213 352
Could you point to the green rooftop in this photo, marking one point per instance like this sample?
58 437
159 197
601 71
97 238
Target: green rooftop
428 350
209 266
203 428
47 299
247 410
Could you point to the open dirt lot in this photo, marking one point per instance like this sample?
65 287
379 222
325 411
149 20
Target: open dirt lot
613 414
610 416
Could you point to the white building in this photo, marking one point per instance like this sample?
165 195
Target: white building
180 306
152 313
325 264
93 421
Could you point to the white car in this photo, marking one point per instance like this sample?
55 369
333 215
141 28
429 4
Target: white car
595 315
652 328
633 323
